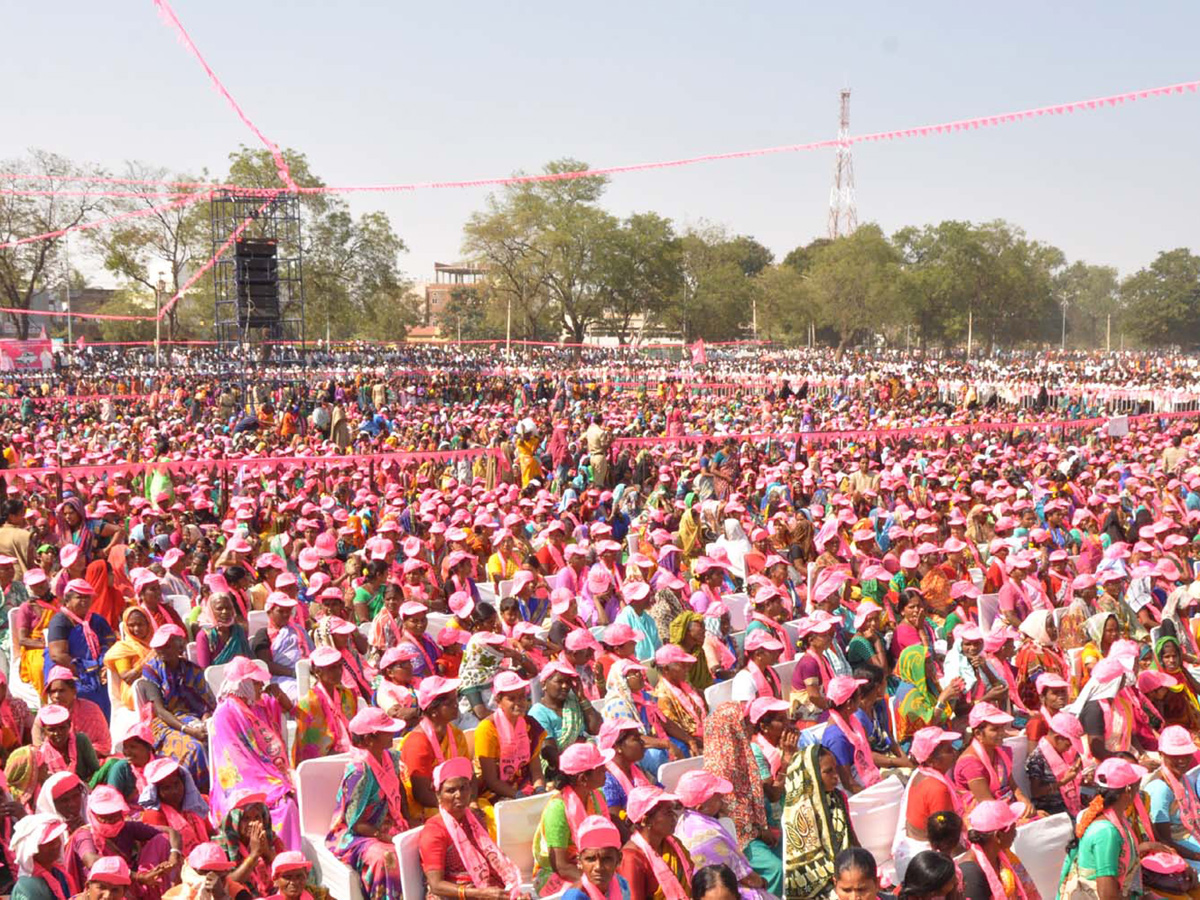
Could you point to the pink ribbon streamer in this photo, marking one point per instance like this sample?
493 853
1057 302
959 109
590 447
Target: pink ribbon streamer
149 211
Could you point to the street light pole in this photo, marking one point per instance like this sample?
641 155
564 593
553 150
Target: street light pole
1062 345
158 289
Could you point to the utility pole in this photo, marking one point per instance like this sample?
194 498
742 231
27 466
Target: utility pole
67 286
507 330
158 290
1062 345
843 216
1108 334
970 330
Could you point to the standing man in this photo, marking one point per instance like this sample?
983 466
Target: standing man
14 536
599 442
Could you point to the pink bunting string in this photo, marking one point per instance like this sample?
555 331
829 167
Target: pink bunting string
168 16
121 217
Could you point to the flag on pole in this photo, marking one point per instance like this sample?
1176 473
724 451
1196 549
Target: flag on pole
79 344
42 335
699 357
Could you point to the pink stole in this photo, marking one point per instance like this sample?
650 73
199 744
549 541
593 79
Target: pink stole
994 781
667 882
766 682
955 795
476 861
576 809
388 781
640 778
514 746
1189 804
781 635
868 772
427 729
995 886
1060 766
689 698
335 718
614 889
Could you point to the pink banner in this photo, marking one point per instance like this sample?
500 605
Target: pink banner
26 356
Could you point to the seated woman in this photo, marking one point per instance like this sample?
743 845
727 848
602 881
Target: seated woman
174 687
64 749
356 674
65 796
928 792
628 699
86 717
816 823
147 589
985 768
79 639
1052 698
767 615
564 716
457 854
1103 630
150 853
208 873
15 719
29 628
991 870
23 774
282 643
728 755
482 659
1055 767
704 837
433 740
250 750
125 658
395 690
654 863
171 800
599 855
579 652
290 872
414 617
678 701
689 633
1174 804
757 678
846 737
1038 655
1180 706
773 746
126 772
876 718
966 660
249 841
720 649
623 772
924 703
37 846
386 630
508 747
225 639
1106 711
323 714
580 775
371 809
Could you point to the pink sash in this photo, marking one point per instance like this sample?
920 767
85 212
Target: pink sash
1060 767
667 882
576 809
823 666
614 889
766 683
415 640
389 784
770 752
480 862
427 729
89 635
781 634
868 772
689 698
649 711
1189 804
994 782
514 746
955 796
640 778
40 871
995 886
335 719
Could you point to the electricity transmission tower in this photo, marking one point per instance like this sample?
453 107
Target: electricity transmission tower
843 217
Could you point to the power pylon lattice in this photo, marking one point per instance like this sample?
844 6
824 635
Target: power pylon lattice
843 217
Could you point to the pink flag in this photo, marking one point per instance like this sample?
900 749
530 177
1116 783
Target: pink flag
79 343
699 357
42 334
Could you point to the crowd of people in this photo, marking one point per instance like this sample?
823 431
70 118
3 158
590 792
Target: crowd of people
672 618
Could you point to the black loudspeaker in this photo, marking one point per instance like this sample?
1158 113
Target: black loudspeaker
257 283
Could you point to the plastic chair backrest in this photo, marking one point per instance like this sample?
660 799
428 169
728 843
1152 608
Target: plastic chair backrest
812 734
505 589
181 603
317 784
1041 846
989 609
784 671
516 823
303 677
738 605
716 694
670 773
256 621
215 676
191 651
1019 745
437 621
408 852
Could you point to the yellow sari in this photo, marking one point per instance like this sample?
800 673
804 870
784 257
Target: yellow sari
33 660
126 654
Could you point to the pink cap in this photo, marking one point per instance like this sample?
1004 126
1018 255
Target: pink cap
1116 772
1176 741
68 555
338 625
245 669
761 639
393 655
325 656
841 688
994 815
289 861
556 667
581 639
144 579
1108 668
433 687
279 598
1066 724
635 591
413 608
59 673
598 581
696 787
672 653
240 545
455 767
597 833
34 577
450 637
985 712
762 706
642 800
1048 681
461 604
109 870
107 801
583 757
560 600
910 559
171 557
522 579
53 715
79 586
209 857
160 768
1153 679
926 740
613 730
865 610
1164 863
619 633
285 579
508 681
164 633
371 720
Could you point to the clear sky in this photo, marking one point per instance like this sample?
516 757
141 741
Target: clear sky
398 91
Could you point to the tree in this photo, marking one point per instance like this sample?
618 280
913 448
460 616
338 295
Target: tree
28 269
1163 300
853 284
801 259
718 293
785 308
1092 295
641 272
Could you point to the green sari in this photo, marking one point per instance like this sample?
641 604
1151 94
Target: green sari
918 707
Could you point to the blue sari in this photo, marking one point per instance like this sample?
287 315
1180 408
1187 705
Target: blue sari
87 665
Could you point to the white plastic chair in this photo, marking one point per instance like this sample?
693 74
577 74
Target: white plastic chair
120 717
670 773
738 604
22 690
1019 745
505 589
784 671
716 694
214 675
408 852
191 651
181 603
436 622
875 812
812 734
317 784
516 822
989 610
303 677
1041 845
256 621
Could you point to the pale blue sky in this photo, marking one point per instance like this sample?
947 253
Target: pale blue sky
397 92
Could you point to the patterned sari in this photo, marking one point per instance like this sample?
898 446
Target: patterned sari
360 799
314 734
816 828
918 707
186 696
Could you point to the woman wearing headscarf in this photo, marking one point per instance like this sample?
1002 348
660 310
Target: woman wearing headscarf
22 772
29 631
125 659
689 531
626 698
1037 656
224 637
37 845
816 824
720 649
688 631
248 839
72 526
170 800
728 754
664 609
1102 630
108 601
1180 706
250 750
923 703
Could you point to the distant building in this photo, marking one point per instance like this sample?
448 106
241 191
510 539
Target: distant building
447 278
83 300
